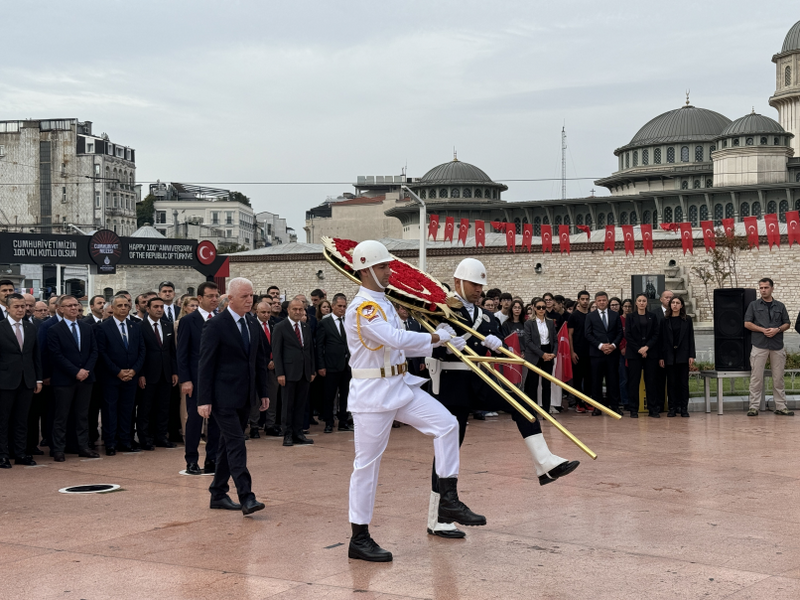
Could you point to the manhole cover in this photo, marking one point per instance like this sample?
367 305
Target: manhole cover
96 488
187 474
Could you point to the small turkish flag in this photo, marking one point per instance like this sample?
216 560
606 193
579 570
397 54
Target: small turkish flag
498 226
563 238
513 372
527 236
630 243
728 226
433 227
709 238
647 238
751 226
610 239
687 241
480 234
463 230
547 239
449 226
793 226
585 229
773 230
670 227
511 237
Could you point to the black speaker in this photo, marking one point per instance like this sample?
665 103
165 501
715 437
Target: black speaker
731 339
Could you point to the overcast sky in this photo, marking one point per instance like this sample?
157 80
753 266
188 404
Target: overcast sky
231 92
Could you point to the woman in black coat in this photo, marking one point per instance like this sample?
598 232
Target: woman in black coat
540 349
677 355
641 354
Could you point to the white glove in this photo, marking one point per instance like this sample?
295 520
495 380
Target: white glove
444 337
492 342
459 342
446 327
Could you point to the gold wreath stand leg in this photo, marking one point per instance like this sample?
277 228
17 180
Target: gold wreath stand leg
543 374
495 386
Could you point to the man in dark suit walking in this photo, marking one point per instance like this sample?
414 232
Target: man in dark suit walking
121 347
603 330
190 331
158 376
20 379
293 353
73 352
333 357
232 373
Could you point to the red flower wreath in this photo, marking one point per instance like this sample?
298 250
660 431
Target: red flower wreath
410 280
344 247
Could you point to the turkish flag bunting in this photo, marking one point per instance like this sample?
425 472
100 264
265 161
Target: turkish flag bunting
563 238
527 236
610 239
709 238
463 230
773 230
751 226
630 243
449 226
513 372
728 226
647 238
585 229
793 226
670 226
687 241
498 226
511 236
547 239
433 227
480 234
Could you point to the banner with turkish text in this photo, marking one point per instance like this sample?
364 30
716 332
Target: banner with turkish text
480 234
687 241
709 237
751 226
463 230
547 239
647 238
610 239
627 234
527 236
433 227
793 226
563 238
773 230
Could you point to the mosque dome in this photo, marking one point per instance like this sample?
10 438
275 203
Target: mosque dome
455 171
792 41
684 124
751 124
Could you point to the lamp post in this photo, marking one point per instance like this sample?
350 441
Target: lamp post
422 218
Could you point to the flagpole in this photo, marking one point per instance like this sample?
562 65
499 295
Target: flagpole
422 233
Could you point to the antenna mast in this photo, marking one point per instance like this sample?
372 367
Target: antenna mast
563 164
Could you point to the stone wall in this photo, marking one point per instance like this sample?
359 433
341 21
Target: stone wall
136 279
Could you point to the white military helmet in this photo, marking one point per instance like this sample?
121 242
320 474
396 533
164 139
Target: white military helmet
471 269
369 253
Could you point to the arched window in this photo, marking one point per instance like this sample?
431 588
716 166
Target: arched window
718 214
487 194
589 220
784 206
670 155
442 192
610 219
678 214
703 212
713 148
763 140
494 194
787 76
601 220
698 154
478 193
657 156
646 217
645 157
579 220
432 194
735 141
744 209
776 141
684 185
797 204
545 220
455 193
627 160
748 141
623 218
667 215
757 209
634 218
537 226
558 220
797 177
635 158
466 193
724 143
518 226
684 153
729 210
696 184
709 183
567 220
772 207
693 215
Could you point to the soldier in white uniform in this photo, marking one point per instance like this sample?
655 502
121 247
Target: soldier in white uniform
382 391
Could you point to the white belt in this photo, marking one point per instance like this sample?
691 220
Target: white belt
455 366
392 371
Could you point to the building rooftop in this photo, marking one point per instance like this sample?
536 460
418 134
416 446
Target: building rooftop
684 124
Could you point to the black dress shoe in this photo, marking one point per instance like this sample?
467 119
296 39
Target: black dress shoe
88 453
35 452
564 468
313 421
193 469
254 435
634 414
672 413
59 457
301 439
209 467
25 460
111 451
147 447
273 431
363 547
5 463
596 412
129 449
251 506
345 427
287 440
225 503
165 444
328 429
685 413
45 442
479 416
655 415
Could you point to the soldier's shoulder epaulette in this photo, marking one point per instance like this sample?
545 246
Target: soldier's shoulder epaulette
370 310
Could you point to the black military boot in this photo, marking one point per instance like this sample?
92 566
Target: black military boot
452 509
362 546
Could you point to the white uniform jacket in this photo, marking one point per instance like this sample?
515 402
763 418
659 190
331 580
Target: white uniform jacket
376 338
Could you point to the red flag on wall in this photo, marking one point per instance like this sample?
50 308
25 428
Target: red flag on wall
687 241
449 226
511 236
728 226
527 235
585 229
793 226
433 226
480 234
547 239
563 238
627 235
498 226
610 239
647 238
751 226
773 230
709 239
670 226
463 230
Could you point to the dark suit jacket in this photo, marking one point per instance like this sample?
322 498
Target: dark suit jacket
18 366
158 360
41 335
596 333
64 354
533 341
675 352
659 313
487 325
115 357
415 363
227 377
332 351
189 334
89 319
291 360
637 337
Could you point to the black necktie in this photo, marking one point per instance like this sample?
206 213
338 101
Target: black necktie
341 328
75 335
245 336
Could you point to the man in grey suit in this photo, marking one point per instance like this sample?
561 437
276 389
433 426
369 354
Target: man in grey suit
293 353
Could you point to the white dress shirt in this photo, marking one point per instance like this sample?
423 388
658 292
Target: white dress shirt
77 328
299 328
156 324
544 332
13 327
203 312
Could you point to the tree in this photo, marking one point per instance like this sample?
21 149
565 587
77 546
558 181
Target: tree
231 248
145 211
239 197
720 267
